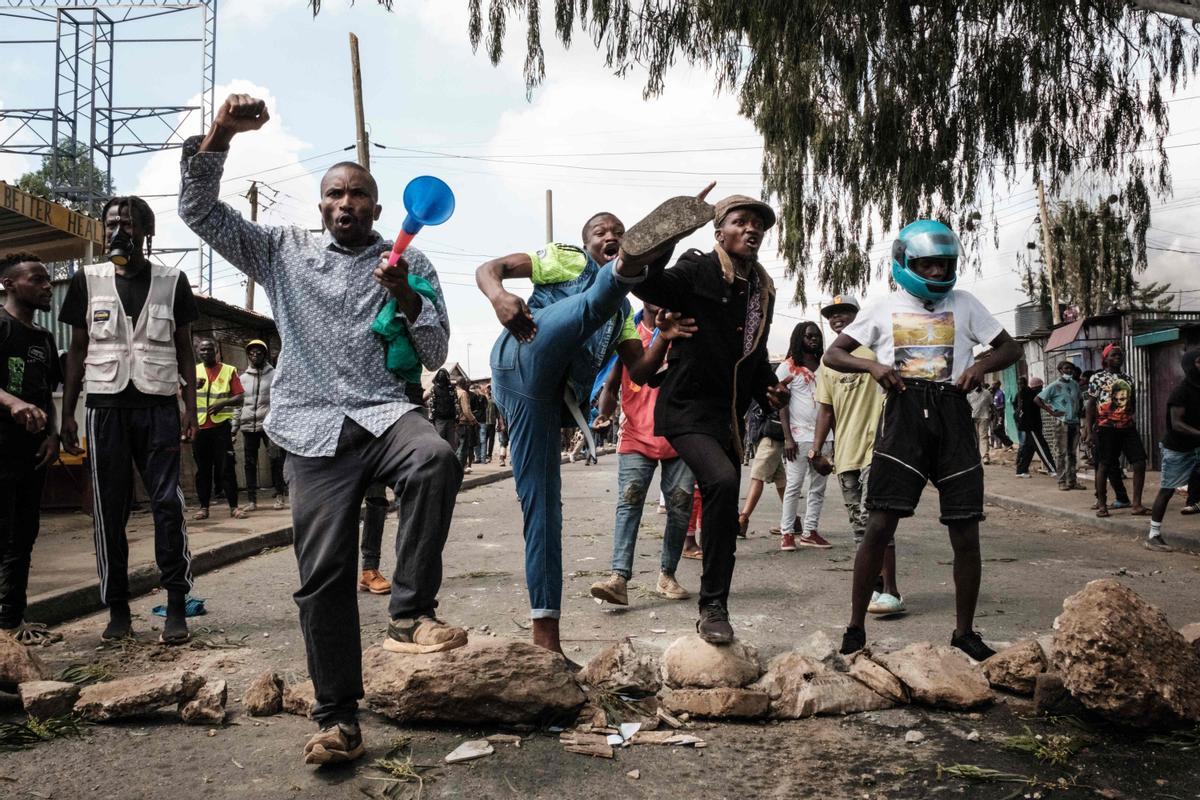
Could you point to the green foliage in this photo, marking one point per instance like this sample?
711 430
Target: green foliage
68 166
894 109
1097 251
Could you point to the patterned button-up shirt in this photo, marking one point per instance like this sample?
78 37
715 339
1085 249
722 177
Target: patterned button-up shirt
324 299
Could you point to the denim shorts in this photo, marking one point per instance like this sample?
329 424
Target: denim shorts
1177 467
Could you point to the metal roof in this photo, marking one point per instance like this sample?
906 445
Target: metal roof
48 230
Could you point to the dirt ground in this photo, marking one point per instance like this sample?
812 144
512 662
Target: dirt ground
1031 564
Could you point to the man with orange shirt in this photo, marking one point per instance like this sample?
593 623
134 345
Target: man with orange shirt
218 391
639 451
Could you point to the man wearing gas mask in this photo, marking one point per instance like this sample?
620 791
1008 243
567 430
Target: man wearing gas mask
130 347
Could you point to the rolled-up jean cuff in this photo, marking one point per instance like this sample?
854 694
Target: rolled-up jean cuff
545 613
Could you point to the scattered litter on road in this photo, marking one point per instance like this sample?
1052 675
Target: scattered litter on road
658 630
505 738
469 751
235 763
635 774
914 737
588 744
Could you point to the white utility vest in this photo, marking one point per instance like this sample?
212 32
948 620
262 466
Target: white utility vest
120 351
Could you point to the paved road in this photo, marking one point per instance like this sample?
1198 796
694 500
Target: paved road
778 599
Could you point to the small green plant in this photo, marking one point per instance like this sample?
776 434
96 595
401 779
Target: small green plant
84 674
1054 749
402 772
22 735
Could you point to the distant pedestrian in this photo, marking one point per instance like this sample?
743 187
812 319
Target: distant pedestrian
250 419
799 418
1029 423
1062 402
219 392
443 408
1111 403
29 374
980 400
1180 445
467 424
765 429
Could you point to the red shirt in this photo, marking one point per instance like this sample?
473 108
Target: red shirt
637 414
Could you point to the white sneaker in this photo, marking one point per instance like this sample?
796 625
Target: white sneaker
886 603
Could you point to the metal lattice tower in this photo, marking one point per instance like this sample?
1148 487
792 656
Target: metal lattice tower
83 131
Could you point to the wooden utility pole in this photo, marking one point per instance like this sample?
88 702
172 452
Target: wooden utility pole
1048 254
252 196
549 215
360 125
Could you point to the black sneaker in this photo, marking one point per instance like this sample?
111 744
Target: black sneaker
853 640
1158 544
972 644
175 629
713 625
120 625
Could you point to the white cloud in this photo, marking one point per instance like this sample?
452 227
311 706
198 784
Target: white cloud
258 12
272 148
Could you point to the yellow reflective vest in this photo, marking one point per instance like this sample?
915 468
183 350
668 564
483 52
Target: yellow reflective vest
208 392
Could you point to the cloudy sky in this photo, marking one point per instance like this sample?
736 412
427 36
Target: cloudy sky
440 109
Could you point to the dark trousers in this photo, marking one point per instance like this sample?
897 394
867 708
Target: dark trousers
252 441
20 501
718 471
466 444
329 492
211 452
372 527
1034 441
118 440
490 444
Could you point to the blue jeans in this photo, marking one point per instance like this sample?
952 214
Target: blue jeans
527 385
634 473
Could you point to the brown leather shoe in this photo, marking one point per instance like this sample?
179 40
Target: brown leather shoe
425 634
338 743
611 590
373 581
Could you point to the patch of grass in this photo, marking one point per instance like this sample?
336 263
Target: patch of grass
84 674
1055 748
590 573
972 772
22 735
617 708
402 772
213 643
1185 740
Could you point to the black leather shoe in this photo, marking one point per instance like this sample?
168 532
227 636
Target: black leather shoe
713 625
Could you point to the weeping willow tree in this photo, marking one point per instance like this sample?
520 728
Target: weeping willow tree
1097 252
875 112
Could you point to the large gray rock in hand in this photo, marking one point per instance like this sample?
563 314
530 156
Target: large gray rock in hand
1120 658
485 682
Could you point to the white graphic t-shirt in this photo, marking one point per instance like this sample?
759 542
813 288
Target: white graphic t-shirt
936 344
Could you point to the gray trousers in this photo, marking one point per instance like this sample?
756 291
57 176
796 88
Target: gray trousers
372 527
327 493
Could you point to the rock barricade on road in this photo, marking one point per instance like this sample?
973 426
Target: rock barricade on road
136 696
1015 669
622 667
300 698
1120 658
208 706
692 663
718 702
877 678
800 687
46 699
485 682
938 676
19 664
264 696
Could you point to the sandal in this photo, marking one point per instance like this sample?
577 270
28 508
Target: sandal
1102 512
1140 512
201 514
237 513
34 634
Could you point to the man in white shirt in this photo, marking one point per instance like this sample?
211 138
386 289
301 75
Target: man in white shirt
799 418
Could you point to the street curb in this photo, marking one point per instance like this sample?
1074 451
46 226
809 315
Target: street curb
84 598
1087 518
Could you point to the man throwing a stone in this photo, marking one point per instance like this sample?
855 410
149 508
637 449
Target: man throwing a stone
344 420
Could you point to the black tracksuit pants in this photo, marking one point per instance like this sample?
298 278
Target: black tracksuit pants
148 438
20 514
718 471
212 450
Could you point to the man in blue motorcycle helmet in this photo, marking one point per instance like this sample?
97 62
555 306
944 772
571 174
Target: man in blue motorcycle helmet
924 337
